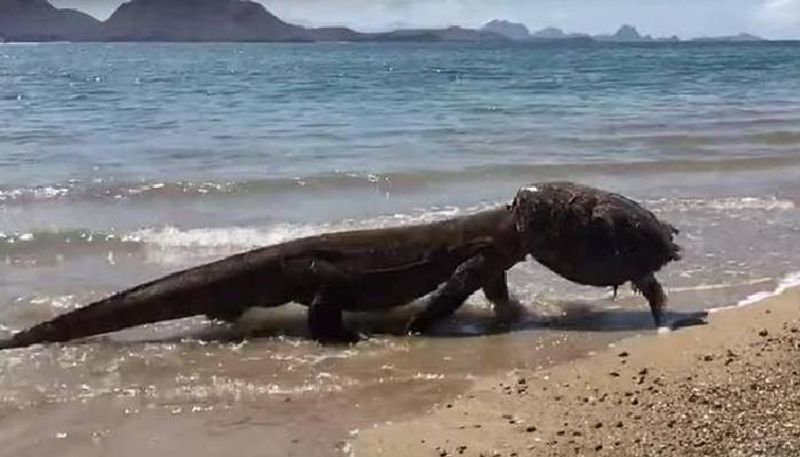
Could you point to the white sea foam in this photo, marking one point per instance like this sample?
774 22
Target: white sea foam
789 281
725 204
227 237
234 238
37 193
718 286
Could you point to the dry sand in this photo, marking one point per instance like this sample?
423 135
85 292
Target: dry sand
730 388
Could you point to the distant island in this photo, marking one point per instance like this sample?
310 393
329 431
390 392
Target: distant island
732 38
249 21
38 20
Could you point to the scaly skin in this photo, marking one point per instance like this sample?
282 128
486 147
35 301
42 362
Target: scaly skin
584 234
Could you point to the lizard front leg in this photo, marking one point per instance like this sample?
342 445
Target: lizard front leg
654 293
468 278
506 308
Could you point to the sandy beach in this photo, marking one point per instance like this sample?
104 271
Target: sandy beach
729 388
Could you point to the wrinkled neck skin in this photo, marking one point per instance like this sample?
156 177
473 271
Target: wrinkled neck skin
525 240
515 245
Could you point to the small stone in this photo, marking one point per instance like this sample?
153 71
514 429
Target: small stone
577 433
623 354
461 449
708 358
794 330
598 425
599 447
561 433
530 429
763 333
507 416
614 374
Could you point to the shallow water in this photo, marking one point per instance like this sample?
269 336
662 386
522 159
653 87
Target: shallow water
120 163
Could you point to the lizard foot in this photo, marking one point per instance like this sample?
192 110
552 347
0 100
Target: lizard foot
509 312
230 316
341 337
419 324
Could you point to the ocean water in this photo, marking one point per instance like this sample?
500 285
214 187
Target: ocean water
123 162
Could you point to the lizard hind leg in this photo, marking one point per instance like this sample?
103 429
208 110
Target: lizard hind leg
325 311
325 321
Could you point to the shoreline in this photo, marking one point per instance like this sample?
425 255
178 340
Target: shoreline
727 388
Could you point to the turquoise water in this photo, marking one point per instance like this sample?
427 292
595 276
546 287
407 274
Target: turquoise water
123 162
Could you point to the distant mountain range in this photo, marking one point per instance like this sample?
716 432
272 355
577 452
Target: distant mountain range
243 20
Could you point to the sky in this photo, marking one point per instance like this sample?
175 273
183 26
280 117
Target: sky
686 18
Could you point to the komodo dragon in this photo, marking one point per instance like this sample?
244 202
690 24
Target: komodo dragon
586 235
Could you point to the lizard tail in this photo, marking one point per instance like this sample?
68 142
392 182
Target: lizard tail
153 302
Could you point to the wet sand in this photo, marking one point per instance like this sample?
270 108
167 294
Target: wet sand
204 392
196 388
730 388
